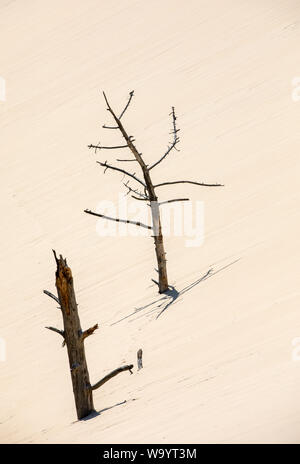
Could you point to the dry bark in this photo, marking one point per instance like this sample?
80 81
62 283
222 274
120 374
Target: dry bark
74 339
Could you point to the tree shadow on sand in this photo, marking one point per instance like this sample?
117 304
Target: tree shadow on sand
162 303
94 414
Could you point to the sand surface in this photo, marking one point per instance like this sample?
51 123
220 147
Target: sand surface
218 365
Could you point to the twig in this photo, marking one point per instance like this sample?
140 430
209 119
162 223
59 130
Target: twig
101 147
111 375
51 296
140 224
54 329
128 103
174 142
109 127
172 201
108 166
189 182
128 139
142 197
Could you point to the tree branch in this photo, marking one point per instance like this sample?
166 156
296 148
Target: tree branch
140 224
137 192
138 198
51 296
188 182
109 127
54 329
89 332
128 103
111 375
101 147
172 201
108 166
173 143
126 106
128 139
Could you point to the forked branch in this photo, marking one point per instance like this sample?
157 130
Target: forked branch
111 375
126 106
141 196
127 138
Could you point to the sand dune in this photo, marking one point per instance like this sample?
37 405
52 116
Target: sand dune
218 364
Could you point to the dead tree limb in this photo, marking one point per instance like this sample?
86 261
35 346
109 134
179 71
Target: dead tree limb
126 221
51 296
114 168
174 142
54 329
74 339
188 182
89 332
149 187
137 192
101 147
173 201
111 375
139 198
126 106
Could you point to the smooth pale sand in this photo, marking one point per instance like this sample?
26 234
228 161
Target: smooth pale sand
218 362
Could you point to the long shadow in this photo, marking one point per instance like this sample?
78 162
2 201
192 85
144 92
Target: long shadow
98 413
162 303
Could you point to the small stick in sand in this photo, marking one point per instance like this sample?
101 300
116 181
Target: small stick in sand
140 359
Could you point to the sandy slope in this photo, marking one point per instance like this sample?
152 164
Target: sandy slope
218 362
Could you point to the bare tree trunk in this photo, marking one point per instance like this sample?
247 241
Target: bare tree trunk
159 248
162 264
163 284
74 339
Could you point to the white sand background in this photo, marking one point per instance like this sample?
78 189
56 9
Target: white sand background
218 363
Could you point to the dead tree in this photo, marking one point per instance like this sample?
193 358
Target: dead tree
74 338
148 192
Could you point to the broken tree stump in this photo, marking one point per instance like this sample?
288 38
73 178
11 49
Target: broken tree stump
74 339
